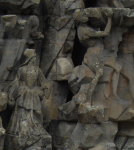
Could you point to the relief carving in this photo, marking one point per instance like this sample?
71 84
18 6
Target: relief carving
26 92
66 75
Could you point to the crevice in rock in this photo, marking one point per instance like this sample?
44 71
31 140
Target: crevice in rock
78 52
5 115
69 96
3 12
124 143
89 3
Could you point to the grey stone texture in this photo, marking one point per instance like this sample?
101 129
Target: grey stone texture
47 102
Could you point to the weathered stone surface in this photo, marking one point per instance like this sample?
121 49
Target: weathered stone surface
61 132
63 34
80 75
109 131
3 106
25 128
72 34
68 47
128 5
89 114
2 135
3 101
119 19
102 3
119 105
129 144
58 96
72 116
20 6
13 49
64 69
51 51
126 45
107 75
116 3
120 142
90 135
99 98
110 43
78 4
69 111
17 33
104 146
59 22
101 84
83 133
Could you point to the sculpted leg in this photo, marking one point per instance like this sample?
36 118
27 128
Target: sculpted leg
79 98
68 107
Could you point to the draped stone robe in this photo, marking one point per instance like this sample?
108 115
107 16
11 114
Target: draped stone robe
26 123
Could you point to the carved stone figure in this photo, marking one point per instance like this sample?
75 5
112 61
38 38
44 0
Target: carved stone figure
98 100
91 39
97 54
85 48
25 129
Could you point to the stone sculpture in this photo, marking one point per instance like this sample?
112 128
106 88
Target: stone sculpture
74 90
25 129
100 58
92 40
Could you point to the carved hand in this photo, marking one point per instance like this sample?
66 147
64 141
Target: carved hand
47 91
108 13
97 68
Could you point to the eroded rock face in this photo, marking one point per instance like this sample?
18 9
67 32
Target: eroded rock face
106 71
88 136
52 104
20 6
59 39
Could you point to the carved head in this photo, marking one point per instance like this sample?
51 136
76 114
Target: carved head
96 17
92 15
80 16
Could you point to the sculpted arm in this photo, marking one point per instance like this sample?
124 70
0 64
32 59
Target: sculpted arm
44 84
99 73
13 89
42 78
93 33
12 92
